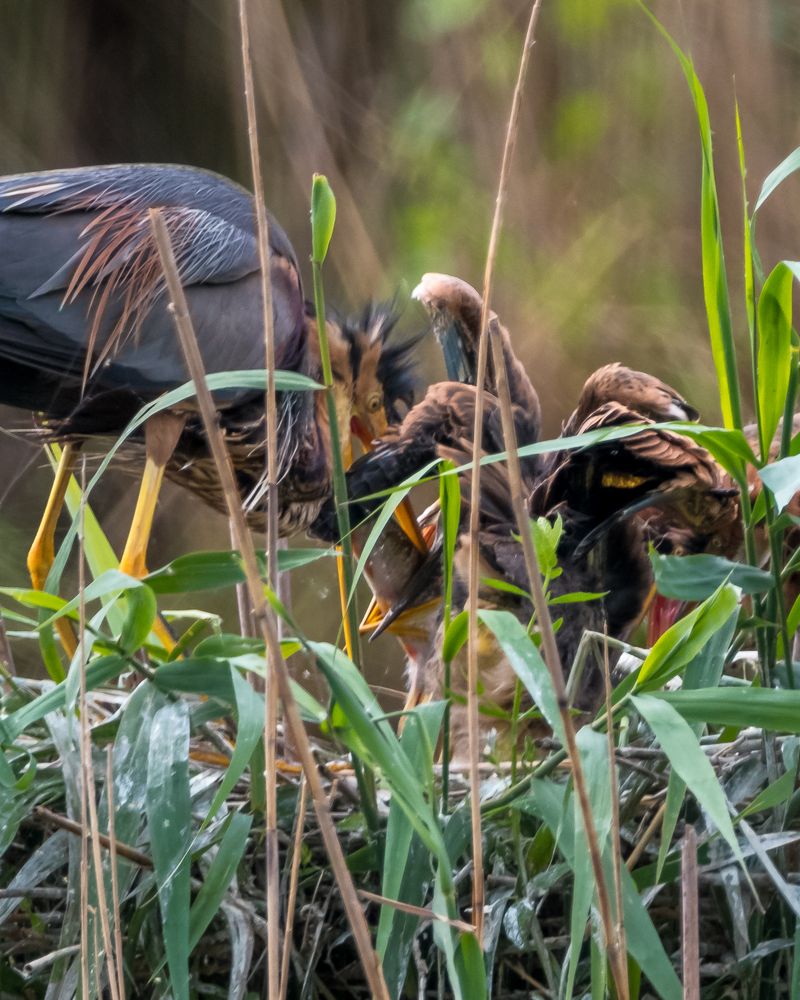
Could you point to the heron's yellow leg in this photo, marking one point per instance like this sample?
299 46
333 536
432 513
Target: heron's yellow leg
161 436
42 552
134 556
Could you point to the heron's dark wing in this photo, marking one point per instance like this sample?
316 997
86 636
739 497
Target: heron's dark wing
81 290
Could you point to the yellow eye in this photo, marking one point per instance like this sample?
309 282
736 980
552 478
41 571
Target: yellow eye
374 403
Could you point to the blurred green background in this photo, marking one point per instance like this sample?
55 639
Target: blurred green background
403 104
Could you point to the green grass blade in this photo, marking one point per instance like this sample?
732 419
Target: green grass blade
685 755
527 663
772 709
715 282
694 578
704 670
680 643
778 176
774 351
407 863
546 800
782 479
593 749
169 821
98 672
249 729
219 875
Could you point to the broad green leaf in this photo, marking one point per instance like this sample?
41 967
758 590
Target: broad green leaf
455 636
782 479
777 176
359 720
407 864
219 875
97 673
212 570
767 708
169 820
774 333
680 643
775 794
703 671
129 762
749 283
694 578
249 729
139 617
687 758
593 750
527 663
211 677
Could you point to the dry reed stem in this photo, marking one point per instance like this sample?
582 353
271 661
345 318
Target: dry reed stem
690 917
112 844
123 850
263 612
552 658
294 874
102 903
417 911
272 861
646 837
473 724
85 744
620 941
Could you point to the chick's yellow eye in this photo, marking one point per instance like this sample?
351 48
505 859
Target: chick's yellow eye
374 403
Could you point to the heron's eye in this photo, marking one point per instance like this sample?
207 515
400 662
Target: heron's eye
374 403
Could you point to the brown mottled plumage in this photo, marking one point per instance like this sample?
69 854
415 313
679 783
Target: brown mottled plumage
642 393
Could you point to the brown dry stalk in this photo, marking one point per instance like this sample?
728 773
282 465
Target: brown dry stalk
620 942
100 885
262 611
473 724
112 844
646 837
123 850
85 745
293 880
690 918
552 658
272 861
418 911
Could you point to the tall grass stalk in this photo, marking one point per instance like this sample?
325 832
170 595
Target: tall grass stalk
272 860
615 948
323 217
264 614
478 892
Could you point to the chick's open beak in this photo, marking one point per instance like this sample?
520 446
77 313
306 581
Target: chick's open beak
368 430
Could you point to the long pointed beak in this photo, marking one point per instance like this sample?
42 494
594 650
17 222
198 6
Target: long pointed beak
404 514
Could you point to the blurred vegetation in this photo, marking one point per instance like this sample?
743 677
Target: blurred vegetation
403 104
